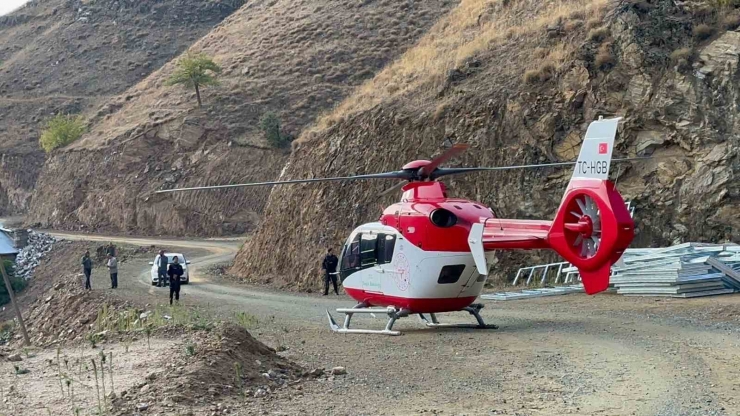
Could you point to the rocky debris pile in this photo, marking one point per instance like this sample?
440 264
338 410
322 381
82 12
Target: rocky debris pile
218 270
30 256
69 313
213 365
57 308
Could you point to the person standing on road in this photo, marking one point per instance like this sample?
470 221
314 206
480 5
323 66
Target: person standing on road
113 268
162 269
175 271
87 269
330 271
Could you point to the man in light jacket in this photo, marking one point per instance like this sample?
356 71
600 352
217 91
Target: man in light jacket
113 268
162 269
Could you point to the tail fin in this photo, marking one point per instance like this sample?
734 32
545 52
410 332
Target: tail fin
592 227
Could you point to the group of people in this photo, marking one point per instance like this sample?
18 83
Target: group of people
174 271
171 272
111 263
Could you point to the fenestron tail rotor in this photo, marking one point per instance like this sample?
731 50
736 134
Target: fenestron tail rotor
586 245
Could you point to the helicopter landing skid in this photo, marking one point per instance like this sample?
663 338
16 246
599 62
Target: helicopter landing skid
393 315
473 309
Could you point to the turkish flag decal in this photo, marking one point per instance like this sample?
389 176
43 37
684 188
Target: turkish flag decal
603 148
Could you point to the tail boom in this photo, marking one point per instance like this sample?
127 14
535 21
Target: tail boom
592 227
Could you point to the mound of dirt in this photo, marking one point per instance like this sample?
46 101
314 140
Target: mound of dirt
208 364
56 307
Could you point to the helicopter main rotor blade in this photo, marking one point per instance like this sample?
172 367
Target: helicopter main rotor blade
386 175
453 151
455 171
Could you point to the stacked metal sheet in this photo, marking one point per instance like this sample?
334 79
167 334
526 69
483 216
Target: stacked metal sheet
683 271
533 293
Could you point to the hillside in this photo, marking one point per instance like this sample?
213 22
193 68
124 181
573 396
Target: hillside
519 80
69 56
295 58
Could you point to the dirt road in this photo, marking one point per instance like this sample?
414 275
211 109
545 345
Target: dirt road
574 354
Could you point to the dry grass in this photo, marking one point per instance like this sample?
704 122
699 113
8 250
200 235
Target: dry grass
458 37
731 22
683 54
598 35
572 25
605 57
593 23
703 31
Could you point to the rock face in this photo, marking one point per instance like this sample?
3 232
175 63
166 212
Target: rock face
70 56
677 105
295 58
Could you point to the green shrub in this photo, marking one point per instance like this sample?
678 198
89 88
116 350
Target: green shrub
270 126
61 131
17 283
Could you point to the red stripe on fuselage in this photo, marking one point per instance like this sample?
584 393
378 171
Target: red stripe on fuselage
414 305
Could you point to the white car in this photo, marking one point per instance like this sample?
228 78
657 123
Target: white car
185 278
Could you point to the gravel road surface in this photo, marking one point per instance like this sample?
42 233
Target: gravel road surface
574 354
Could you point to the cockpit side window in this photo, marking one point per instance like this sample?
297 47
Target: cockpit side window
351 255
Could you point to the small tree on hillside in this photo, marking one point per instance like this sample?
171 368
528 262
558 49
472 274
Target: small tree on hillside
61 131
270 125
195 71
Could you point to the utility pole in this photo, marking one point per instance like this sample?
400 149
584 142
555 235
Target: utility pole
12 300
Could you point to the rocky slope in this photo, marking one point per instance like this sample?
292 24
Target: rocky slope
296 58
520 81
69 55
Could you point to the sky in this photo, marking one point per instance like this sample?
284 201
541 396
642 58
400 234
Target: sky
7 6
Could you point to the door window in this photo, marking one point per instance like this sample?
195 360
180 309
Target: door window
368 250
386 244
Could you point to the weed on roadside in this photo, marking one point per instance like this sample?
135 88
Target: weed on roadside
245 320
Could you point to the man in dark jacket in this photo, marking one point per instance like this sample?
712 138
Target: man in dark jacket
111 249
330 268
162 269
175 271
87 269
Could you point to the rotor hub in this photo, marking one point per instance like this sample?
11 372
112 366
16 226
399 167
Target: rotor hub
583 227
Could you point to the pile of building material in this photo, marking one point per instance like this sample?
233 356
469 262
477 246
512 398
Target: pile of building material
29 256
534 293
684 271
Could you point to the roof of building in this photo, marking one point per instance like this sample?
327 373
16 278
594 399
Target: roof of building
7 246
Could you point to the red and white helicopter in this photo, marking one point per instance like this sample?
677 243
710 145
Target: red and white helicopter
429 254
